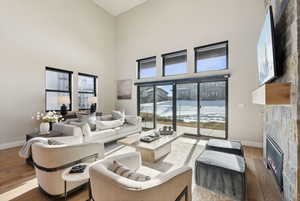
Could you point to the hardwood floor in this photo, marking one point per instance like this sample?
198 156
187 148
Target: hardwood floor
18 182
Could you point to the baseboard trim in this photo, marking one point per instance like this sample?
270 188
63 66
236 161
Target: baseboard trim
11 144
252 144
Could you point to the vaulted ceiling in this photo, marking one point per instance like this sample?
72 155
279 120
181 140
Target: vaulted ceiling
117 7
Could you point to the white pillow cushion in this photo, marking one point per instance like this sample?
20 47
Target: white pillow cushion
86 130
118 115
103 125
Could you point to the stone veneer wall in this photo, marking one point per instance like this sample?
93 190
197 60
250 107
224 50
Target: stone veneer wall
280 122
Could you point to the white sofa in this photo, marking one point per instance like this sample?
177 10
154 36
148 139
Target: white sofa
108 186
133 125
51 160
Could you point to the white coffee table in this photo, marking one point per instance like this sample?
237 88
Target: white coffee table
152 151
77 177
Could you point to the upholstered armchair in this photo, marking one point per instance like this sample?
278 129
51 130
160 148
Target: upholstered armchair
51 160
108 186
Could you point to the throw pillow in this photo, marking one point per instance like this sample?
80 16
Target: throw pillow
86 130
54 142
118 115
124 171
104 125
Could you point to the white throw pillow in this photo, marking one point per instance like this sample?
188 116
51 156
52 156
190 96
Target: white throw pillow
103 125
118 115
86 130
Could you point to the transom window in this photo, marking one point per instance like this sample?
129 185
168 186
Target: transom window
58 83
211 57
175 63
147 67
86 89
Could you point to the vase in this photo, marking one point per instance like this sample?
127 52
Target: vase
44 128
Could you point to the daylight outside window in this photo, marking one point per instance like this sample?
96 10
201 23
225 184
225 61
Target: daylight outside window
211 57
175 63
146 68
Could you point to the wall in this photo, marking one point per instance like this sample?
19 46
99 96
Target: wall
162 26
281 122
72 35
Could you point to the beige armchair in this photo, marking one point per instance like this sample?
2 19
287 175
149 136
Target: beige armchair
108 186
51 160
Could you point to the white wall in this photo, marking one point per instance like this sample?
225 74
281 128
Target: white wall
162 26
74 35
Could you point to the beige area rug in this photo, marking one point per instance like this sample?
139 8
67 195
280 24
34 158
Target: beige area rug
184 152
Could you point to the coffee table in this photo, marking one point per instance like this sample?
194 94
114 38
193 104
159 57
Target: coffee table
152 151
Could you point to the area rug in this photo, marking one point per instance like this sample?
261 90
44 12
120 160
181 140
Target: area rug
184 152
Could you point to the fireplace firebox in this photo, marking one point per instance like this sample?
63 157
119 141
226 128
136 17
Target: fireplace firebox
275 160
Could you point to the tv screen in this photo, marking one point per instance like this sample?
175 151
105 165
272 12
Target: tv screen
266 51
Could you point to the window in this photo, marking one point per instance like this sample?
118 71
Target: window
86 88
211 57
194 106
175 63
147 67
146 106
58 83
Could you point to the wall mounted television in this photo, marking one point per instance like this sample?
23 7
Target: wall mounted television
266 51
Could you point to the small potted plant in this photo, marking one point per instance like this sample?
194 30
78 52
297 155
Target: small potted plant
47 120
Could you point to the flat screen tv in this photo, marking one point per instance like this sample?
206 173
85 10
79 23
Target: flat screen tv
266 52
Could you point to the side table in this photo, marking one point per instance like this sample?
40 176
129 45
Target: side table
77 177
51 134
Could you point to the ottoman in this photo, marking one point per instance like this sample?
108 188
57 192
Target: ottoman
231 147
222 173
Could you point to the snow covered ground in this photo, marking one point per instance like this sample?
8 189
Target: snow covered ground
211 111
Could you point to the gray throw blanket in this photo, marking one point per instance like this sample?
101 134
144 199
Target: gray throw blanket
25 151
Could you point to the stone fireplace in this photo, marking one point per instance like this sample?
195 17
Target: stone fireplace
281 122
274 159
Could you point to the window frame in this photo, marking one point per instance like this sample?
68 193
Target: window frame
95 77
209 45
70 73
174 82
139 66
167 54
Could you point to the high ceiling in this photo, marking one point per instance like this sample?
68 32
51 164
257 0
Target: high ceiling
117 7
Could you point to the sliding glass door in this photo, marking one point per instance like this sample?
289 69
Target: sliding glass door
196 108
146 106
187 108
213 101
164 106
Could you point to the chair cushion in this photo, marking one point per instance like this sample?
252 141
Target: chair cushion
222 160
224 144
103 125
148 171
127 128
124 171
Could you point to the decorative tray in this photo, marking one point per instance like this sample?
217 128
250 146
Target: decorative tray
162 132
149 138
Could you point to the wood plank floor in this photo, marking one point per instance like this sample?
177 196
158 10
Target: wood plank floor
18 182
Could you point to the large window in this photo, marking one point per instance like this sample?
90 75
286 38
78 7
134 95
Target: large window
146 106
195 106
58 83
175 63
146 68
211 57
86 89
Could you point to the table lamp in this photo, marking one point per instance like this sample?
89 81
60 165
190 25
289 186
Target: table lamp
63 100
93 101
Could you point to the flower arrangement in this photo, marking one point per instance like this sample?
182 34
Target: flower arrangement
49 117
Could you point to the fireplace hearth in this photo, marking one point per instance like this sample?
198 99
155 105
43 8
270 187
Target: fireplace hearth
275 160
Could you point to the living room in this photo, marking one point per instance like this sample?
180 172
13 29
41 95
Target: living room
185 74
